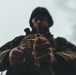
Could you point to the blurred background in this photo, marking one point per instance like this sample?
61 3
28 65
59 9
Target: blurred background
15 14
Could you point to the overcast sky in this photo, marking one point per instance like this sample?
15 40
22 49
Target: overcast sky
15 14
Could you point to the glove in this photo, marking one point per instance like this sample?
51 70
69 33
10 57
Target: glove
16 56
43 52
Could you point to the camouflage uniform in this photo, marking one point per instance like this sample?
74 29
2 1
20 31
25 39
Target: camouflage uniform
64 50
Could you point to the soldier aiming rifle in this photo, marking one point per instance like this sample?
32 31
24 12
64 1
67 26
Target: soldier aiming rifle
38 52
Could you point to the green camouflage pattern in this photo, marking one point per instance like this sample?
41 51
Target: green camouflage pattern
63 49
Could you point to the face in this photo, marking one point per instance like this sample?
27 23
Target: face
40 23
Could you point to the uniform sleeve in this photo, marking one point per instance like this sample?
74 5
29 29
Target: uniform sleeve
4 52
66 50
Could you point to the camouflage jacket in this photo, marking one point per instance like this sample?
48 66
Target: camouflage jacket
64 50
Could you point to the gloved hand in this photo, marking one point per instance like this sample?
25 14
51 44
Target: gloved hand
43 52
16 56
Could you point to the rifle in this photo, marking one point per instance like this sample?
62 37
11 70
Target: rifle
31 68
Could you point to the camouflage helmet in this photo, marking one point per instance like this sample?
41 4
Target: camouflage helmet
41 11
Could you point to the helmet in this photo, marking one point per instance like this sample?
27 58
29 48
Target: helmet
41 11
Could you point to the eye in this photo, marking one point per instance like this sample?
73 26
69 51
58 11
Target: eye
34 20
39 18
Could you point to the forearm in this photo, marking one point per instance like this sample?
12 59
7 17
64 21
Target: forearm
69 56
4 60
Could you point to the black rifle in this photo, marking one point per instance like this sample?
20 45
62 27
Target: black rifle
30 67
